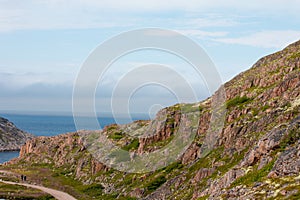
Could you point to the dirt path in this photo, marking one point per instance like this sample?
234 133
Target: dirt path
55 193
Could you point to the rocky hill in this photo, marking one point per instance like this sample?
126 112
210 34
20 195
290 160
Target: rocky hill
255 156
11 138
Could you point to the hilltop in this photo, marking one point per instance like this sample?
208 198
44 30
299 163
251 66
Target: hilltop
256 155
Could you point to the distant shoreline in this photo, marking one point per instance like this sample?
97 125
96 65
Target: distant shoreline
17 150
69 114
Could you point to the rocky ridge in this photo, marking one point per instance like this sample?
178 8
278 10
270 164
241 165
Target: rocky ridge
11 138
256 156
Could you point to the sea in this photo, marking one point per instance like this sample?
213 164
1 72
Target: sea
49 125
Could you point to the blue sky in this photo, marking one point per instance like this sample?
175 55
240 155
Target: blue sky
44 43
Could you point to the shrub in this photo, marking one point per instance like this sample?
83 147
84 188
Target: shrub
265 107
237 101
132 146
171 167
92 190
156 183
116 135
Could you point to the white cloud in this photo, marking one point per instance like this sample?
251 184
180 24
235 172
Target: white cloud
80 14
202 34
211 21
191 5
187 32
265 39
162 33
37 16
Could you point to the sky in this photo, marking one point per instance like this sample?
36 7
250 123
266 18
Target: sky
43 45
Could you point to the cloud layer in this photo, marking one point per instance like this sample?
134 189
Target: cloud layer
79 14
265 39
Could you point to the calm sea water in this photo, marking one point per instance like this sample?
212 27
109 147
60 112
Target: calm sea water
6 156
42 125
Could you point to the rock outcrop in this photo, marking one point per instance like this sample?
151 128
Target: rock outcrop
11 138
62 150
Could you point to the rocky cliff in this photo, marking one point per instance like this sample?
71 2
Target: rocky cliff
11 138
256 155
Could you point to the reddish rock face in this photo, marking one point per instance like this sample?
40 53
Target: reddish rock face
202 173
57 150
138 193
192 153
163 128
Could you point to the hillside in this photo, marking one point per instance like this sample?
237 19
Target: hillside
11 138
256 155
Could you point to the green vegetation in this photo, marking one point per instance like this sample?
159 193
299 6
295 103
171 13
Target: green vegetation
276 71
114 132
203 198
156 183
255 112
80 190
295 192
116 135
254 175
287 105
188 108
173 166
112 127
237 101
160 144
21 192
294 55
231 161
132 146
265 107
216 155
291 138
92 190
